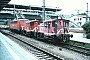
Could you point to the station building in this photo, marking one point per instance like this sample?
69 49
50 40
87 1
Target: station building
80 19
11 11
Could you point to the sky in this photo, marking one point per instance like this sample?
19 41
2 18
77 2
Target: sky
67 6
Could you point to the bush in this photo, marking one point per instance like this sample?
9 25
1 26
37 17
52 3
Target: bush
88 36
86 27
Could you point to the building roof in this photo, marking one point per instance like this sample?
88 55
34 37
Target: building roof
32 7
3 3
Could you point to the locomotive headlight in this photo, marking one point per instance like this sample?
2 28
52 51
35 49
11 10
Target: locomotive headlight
53 31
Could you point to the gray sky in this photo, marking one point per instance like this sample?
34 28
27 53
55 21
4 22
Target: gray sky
68 6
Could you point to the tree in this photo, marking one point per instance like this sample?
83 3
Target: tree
86 27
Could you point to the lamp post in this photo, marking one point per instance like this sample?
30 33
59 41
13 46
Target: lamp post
30 7
56 12
14 11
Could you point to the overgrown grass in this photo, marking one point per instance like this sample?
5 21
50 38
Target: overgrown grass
75 43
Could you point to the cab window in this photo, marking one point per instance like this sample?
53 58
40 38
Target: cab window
14 22
66 24
31 23
46 24
54 24
22 21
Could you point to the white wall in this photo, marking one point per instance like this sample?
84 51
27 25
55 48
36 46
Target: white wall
78 20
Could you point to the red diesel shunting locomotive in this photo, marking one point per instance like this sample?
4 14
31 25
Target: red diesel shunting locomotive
56 30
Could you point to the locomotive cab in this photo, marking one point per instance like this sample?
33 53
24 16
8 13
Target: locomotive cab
34 28
61 28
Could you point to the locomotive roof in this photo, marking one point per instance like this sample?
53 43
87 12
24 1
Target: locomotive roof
31 21
41 24
19 19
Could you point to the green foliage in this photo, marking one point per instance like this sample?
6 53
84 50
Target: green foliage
86 27
88 36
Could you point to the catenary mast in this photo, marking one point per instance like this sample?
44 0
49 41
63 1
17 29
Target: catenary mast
43 12
87 13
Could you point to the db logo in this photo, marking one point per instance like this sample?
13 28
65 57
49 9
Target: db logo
61 30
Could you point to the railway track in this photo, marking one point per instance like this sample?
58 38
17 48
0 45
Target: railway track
41 53
79 49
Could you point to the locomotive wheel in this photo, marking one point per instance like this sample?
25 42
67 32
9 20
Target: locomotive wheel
40 35
24 33
35 34
31 34
66 38
55 39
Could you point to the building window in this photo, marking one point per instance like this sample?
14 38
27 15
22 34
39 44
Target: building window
80 23
80 18
75 19
89 18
